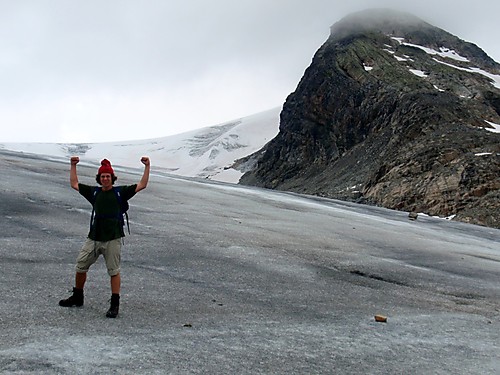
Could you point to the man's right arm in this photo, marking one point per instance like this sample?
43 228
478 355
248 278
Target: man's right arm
73 177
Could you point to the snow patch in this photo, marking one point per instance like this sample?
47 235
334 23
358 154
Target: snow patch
493 77
496 127
418 73
443 51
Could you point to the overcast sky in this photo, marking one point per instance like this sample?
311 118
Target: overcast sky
109 70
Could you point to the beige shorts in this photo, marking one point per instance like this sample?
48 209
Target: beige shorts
91 250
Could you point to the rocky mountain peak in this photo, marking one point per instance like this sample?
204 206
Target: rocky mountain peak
395 112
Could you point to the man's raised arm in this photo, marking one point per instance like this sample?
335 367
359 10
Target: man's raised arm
145 176
73 177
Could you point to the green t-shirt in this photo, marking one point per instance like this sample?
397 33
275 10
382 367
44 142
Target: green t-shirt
107 223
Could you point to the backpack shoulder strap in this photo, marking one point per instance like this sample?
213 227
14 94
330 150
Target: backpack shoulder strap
95 191
117 192
121 203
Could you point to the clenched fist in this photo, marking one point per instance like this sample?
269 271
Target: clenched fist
145 160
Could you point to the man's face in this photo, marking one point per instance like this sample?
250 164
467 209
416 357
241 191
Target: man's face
106 180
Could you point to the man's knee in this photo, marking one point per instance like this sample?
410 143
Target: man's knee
114 272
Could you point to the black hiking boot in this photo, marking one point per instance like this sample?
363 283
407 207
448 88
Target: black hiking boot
76 299
114 307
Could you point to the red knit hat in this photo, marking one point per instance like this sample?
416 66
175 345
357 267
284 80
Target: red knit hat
105 167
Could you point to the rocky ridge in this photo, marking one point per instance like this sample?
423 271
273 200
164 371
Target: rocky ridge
393 112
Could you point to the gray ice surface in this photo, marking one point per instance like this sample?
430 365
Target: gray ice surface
223 279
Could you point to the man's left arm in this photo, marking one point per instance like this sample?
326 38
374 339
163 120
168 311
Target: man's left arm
145 176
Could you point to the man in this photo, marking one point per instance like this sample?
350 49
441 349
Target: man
106 230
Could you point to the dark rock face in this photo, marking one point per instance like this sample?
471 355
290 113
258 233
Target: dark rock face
392 111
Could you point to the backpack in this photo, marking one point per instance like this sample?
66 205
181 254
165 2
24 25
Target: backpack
123 203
